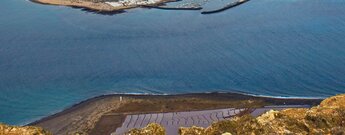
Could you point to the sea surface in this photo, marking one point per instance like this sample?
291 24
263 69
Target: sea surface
52 57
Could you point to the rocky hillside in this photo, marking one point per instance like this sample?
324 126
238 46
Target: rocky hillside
27 130
327 118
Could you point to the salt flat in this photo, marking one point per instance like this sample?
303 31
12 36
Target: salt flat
173 120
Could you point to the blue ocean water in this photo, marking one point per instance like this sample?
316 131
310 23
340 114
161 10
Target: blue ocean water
52 56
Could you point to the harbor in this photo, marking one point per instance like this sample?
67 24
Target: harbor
195 6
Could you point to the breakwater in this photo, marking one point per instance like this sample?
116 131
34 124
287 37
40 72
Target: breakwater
231 5
172 8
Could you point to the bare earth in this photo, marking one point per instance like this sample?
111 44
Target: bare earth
102 115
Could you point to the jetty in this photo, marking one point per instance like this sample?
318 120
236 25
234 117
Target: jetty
172 8
228 6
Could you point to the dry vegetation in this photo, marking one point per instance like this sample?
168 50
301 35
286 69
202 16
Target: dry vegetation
27 130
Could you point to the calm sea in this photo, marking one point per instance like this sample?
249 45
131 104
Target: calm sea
52 57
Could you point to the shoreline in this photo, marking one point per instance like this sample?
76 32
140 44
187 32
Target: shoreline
98 7
90 112
88 5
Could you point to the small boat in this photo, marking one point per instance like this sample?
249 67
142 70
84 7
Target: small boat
231 5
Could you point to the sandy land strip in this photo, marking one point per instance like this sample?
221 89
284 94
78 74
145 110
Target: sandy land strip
102 115
101 6
78 3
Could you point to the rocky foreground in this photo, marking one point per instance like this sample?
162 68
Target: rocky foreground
27 130
327 118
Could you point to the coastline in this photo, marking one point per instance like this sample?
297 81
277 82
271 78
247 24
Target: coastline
99 7
82 117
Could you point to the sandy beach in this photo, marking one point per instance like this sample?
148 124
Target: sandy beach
102 115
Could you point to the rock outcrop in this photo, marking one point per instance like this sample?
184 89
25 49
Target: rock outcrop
192 131
27 130
151 129
327 118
